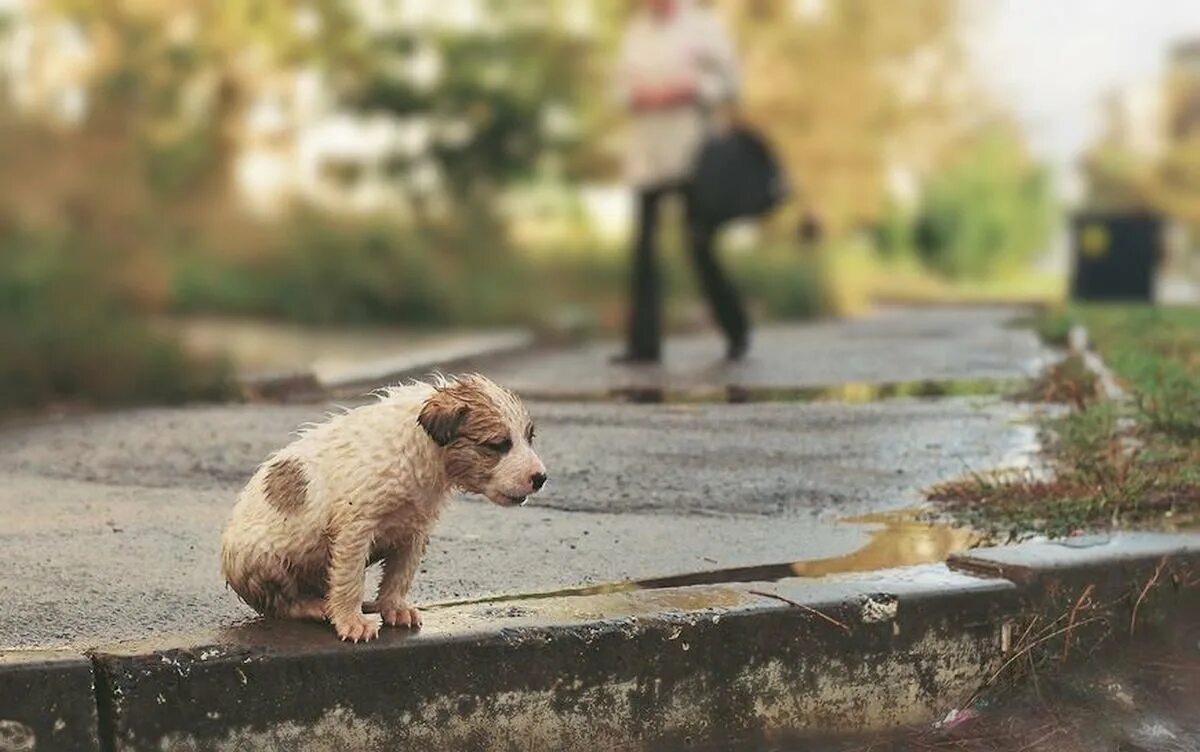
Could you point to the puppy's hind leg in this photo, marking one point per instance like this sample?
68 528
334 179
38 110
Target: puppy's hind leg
312 609
266 589
308 594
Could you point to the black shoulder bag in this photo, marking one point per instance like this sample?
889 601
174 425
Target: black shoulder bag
736 176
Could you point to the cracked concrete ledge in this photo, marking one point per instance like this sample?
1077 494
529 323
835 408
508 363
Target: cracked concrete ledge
745 662
47 702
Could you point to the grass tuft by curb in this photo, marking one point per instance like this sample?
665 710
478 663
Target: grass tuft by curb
1111 464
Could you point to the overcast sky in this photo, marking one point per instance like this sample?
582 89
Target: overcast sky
1052 60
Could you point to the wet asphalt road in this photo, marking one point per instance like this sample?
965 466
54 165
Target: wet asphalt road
110 523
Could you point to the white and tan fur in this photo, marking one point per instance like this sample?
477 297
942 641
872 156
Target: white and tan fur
368 485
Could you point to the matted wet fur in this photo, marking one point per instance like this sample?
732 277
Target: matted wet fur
368 485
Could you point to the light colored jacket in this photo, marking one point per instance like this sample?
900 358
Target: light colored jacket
692 44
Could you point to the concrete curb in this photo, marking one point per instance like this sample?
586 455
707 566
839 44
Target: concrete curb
1078 344
750 663
47 702
600 672
454 356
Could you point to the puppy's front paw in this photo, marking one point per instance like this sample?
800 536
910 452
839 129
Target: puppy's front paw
400 615
356 628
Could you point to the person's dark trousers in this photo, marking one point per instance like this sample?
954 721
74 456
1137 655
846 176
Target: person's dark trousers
645 296
645 318
722 296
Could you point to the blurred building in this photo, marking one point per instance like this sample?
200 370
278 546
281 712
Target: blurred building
1184 84
1182 282
1133 119
1145 119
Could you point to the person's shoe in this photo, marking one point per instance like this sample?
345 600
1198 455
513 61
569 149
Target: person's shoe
738 346
632 359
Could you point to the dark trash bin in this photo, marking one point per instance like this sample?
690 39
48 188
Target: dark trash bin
1115 255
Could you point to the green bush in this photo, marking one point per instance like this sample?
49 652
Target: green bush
322 272
787 286
989 212
67 335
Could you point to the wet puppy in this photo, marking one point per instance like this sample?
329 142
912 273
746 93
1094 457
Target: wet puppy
366 486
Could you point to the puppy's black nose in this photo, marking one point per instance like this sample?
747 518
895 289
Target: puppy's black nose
539 480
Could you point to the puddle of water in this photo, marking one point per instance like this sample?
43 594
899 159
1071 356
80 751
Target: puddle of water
904 538
853 392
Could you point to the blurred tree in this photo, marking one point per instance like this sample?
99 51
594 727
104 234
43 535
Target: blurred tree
1117 179
855 92
487 92
160 89
1177 188
503 98
988 211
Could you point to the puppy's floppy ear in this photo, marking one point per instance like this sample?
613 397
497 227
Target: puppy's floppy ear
442 416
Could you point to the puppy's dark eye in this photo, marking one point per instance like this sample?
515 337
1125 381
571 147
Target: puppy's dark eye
499 447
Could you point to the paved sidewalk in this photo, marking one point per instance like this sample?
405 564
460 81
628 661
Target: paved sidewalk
111 521
893 346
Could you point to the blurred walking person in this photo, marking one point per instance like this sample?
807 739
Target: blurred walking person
677 70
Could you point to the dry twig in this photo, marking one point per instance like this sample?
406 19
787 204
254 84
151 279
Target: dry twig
1041 639
1071 621
809 609
1149 584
